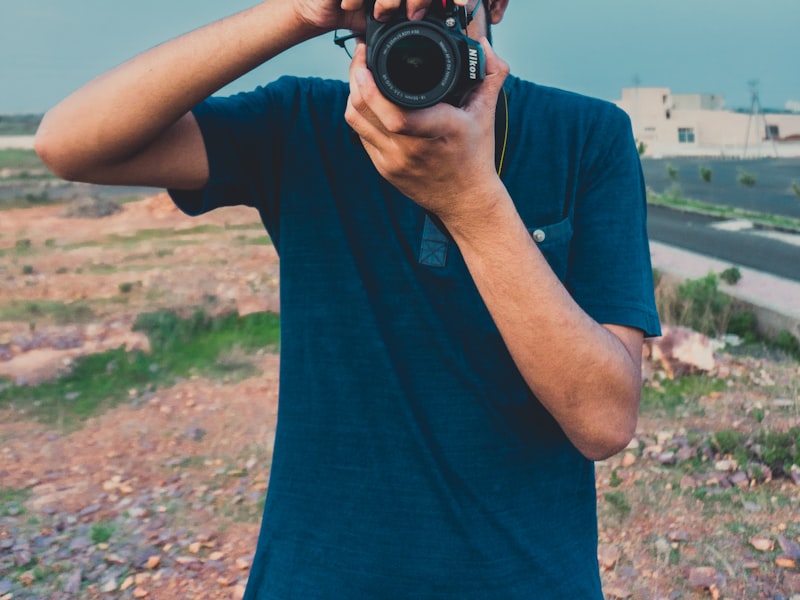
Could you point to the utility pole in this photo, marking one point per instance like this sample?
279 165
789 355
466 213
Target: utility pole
757 111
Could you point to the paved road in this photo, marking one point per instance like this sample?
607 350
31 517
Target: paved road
732 242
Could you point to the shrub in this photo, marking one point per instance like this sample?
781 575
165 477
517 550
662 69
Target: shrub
705 174
672 172
796 188
746 179
731 275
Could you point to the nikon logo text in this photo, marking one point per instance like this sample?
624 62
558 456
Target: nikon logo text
473 63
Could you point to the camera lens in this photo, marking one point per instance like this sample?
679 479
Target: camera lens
415 64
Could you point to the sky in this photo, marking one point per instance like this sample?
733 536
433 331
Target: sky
48 48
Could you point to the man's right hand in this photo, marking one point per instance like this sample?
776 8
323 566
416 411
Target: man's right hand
328 15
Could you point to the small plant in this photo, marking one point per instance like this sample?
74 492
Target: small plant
705 308
619 503
746 179
642 148
705 174
615 480
100 533
27 270
672 172
23 245
731 275
796 188
125 288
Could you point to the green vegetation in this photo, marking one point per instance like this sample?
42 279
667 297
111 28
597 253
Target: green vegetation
778 450
731 275
20 159
101 532
12 501
19 124
179 347
680 393
746 179
700 305
618 503
705 174
796 188
672 172
51 311
673 198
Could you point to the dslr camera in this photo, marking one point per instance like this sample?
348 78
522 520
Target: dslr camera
417 64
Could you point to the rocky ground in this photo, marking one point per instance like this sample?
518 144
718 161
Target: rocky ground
160 497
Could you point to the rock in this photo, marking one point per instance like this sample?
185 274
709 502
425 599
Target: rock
628 459
678 535
727 465
762 544
608 555
703 577
109 585
794 474
153 562
127 584
617 591
790 548
682 351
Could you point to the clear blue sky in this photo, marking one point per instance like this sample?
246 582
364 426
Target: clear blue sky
596 47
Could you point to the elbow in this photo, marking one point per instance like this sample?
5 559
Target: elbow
55 151
606 446
50 151
609 436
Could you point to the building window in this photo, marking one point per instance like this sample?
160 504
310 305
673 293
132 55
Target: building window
772 132
686 135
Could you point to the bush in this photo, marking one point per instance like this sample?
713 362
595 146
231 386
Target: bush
746 179
672 172
705 174
731 275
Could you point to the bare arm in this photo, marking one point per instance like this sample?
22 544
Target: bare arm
585 374
133 125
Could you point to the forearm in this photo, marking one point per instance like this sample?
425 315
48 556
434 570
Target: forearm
582 373
120 113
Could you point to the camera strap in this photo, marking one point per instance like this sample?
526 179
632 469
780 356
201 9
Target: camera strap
501 131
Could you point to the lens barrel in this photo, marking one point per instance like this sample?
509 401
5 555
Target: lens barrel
417 63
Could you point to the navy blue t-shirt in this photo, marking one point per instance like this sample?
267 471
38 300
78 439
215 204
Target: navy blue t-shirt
411 460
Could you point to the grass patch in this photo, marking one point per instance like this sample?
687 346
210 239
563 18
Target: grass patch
12 501
100 533
672 198
20 158
61 313
673 394
152 234
179 347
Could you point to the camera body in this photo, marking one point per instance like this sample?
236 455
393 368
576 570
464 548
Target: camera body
417 64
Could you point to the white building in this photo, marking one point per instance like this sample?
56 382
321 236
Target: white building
668 124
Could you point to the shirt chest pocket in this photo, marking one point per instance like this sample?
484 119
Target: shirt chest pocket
554 243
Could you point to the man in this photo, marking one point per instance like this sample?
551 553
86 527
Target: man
461 323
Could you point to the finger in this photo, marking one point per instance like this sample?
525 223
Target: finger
373 105
416 9
386 8
359 113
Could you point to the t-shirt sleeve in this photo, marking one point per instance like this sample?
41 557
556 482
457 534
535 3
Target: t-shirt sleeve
610 273
243 137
